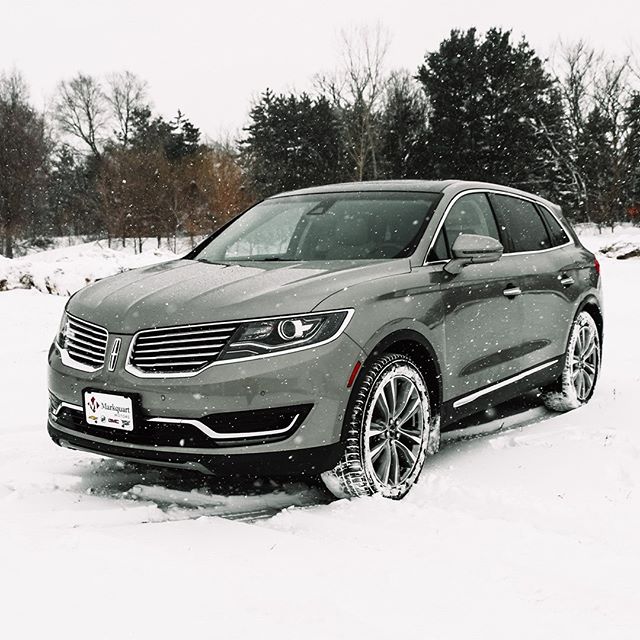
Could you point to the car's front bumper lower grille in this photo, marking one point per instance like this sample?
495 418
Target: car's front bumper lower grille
213 431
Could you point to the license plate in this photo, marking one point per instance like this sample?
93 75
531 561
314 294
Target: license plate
108 410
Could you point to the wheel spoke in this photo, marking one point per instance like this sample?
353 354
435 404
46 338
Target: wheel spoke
376 429
385 464
581 384
377 451
579 346
590 368
382 403
588 379
410 411
414 436
395 466
589 349
404 396
411 458
392 397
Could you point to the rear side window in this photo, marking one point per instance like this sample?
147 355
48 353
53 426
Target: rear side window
520 224
557 233
470 214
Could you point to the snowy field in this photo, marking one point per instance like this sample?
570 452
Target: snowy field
528 529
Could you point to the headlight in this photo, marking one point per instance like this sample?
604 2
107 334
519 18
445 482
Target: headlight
274 335
61 336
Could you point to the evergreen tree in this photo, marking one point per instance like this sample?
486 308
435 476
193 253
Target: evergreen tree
23 163
292 142
494 112
178 137
403 131
71 193
632 156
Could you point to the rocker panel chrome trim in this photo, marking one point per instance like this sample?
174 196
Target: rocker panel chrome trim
483 392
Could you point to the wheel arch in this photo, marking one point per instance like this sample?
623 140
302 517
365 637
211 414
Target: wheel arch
592 306
413 344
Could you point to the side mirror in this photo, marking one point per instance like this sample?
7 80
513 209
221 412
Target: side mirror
471 249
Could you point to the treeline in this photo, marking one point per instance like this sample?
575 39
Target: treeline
101 163
480 107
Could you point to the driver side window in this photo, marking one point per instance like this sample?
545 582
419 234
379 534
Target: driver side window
470 214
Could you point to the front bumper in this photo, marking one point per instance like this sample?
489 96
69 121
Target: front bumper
191 422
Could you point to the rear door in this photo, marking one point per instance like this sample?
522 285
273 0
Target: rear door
481 323
539 253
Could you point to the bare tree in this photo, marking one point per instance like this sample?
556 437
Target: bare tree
597 93
357 90
126 93
81 110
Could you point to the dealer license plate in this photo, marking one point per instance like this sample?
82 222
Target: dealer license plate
108 410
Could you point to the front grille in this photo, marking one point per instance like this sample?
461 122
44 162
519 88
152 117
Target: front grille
179 350
85 342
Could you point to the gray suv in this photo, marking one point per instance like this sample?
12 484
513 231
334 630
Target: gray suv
332 331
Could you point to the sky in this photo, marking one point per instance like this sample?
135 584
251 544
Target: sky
212 59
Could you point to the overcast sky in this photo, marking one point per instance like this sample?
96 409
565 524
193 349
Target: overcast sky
211 59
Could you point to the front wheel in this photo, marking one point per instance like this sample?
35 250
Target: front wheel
390 431
581 369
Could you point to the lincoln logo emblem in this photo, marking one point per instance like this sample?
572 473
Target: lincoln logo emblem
115 350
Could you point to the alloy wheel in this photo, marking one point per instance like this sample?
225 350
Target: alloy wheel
585 361
396 424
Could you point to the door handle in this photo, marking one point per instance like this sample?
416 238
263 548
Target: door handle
512 292
566 281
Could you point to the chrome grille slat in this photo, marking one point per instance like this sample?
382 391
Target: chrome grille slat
154 343
86 343
92 347
87 353
90 329
183 349
73 333
186 357
226 330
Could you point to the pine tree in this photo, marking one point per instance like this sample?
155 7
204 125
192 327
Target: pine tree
291 142
23 162
494 112
403 130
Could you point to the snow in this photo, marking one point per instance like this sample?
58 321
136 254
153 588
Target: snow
522 527
64 270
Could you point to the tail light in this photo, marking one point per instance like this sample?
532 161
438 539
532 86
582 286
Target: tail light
596 265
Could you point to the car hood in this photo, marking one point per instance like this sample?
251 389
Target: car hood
189 291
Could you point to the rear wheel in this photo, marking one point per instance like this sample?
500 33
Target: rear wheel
581 369
390 430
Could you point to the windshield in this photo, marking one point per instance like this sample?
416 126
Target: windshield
338 226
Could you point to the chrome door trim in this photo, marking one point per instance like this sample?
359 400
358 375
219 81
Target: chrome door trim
483 392
502 193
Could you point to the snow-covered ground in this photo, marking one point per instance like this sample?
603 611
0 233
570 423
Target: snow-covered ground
528 530
64 270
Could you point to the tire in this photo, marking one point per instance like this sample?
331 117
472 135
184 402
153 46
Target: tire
578 380
390 430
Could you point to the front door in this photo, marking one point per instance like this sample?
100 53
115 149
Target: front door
483 311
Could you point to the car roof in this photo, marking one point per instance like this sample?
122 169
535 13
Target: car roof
426 186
